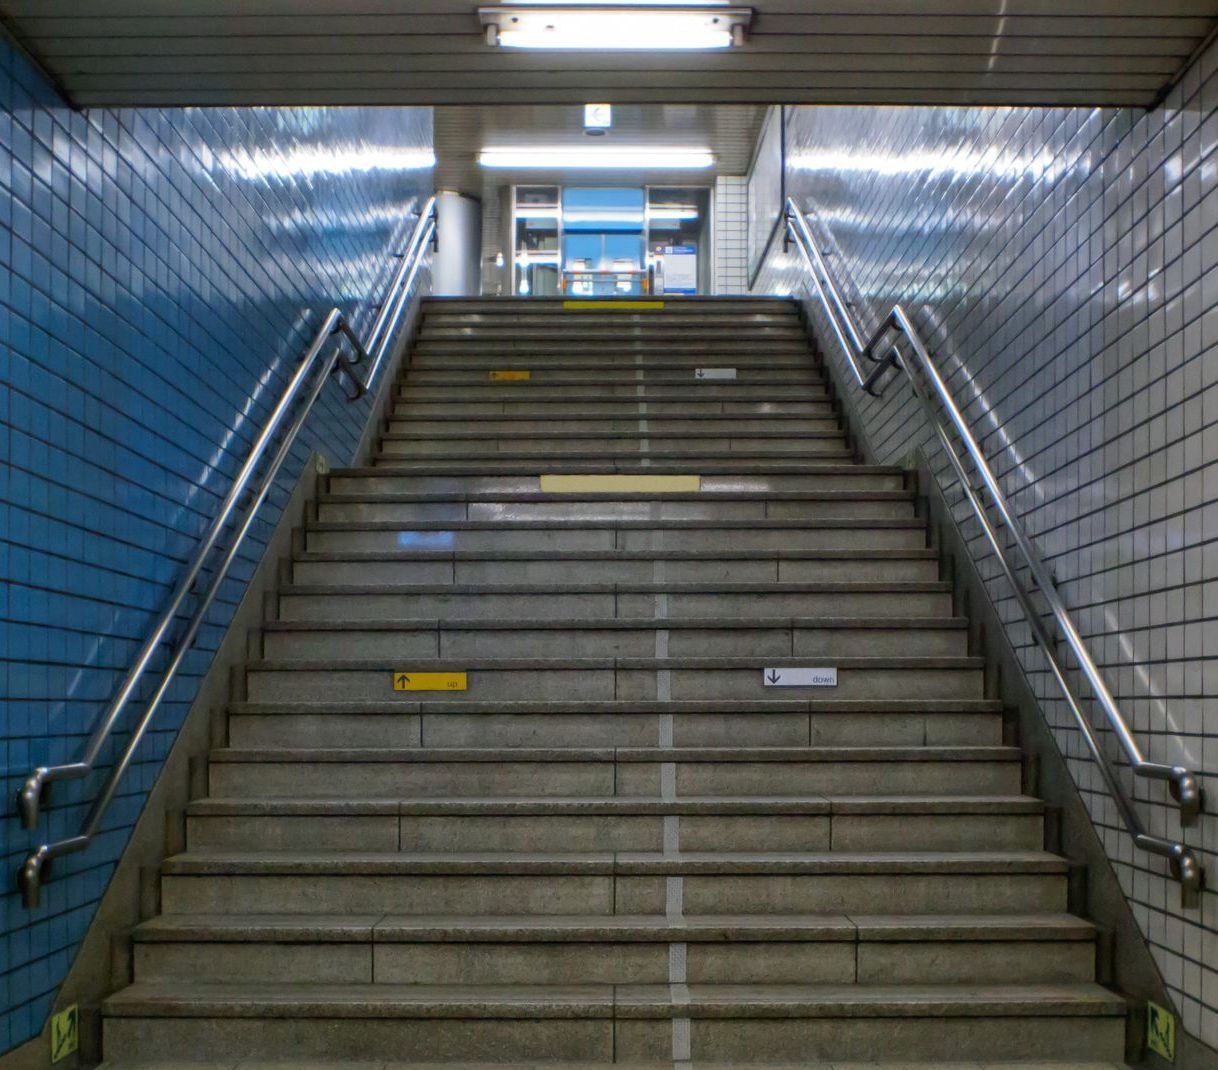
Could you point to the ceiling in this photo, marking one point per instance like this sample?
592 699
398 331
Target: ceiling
729 131
174 52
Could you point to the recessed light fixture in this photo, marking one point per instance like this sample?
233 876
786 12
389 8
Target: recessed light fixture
601 157
617 27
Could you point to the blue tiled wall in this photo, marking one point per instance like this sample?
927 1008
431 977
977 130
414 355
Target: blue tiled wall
160 274
1063 264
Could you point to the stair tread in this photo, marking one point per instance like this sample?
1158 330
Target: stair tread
612 623
375 1000
612 862
717 805
621 754
676 706
593 927
614 554
929 661
580 524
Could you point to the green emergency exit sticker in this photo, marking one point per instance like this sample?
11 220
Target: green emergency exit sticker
1161 1031
65 1033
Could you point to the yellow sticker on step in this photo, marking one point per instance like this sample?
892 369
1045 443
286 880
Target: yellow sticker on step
1161 1031
499 377
628 483
632 306
65 1033
405 680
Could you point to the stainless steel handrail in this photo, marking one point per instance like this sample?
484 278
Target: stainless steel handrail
307 384
885 351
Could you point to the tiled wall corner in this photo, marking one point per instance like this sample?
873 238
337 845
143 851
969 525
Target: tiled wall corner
160 274
1063 263
731 235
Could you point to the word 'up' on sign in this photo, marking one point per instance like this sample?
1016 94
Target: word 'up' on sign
714 373
800 677
429 681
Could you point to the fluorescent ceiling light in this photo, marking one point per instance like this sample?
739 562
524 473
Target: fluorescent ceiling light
674 212
616 28
606 158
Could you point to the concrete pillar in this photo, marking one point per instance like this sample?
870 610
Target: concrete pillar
456 268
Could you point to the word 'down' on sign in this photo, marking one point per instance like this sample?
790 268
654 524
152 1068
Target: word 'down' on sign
405 680
715 373
826 677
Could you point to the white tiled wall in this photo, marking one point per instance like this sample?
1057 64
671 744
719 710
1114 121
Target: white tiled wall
731 238
1064 266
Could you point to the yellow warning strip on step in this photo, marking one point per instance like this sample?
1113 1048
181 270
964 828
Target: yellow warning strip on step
621 484
405 680
500 377
632 306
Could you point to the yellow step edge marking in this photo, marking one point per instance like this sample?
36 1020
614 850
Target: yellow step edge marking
405 680
622 484
499 377
633 306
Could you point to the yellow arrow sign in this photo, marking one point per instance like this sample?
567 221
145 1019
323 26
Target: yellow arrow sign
405 680
65 1033
499 377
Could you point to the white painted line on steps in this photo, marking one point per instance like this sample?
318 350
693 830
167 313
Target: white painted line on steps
715 373
640 392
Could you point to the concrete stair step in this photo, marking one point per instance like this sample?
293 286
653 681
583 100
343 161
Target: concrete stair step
523 405
693 426
619 637
855 484
820 823
607 882
904 1064
613 566
552 600
353 522
672 388
616 1023
767 370
720 454
617 678
786 723
870 510
423 358
481 772
623 949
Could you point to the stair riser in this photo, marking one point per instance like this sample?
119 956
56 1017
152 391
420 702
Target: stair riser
602 408
593 642
602 1040
486 448
486 1040
551 605
686 462
563 963
967 893
457 370
659 358
556 684
833 479
459 729
420 425
657 570
713 345
909 1040
670 388
856 511
607 538
586 779
618 832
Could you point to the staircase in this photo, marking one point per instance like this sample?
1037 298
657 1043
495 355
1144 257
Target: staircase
627 840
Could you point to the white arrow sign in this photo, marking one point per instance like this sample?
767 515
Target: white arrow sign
715 373
800 677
